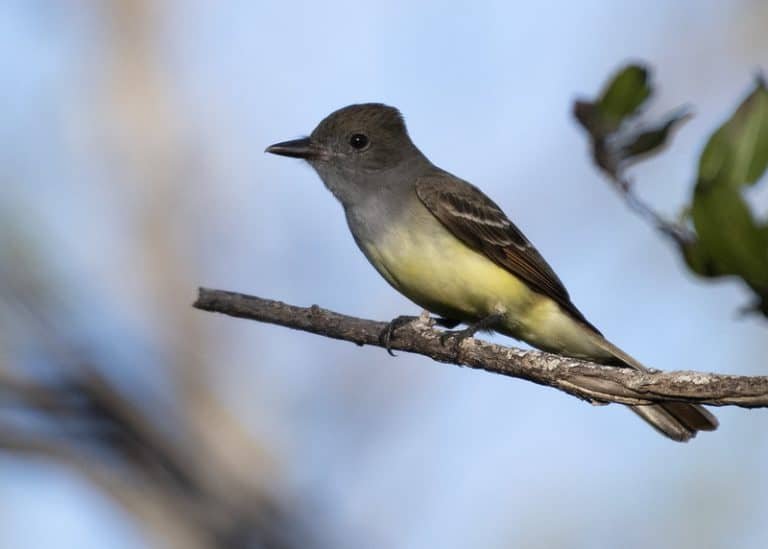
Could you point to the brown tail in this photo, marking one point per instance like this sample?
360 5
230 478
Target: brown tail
677 420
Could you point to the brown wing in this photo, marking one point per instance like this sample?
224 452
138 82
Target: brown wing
478 222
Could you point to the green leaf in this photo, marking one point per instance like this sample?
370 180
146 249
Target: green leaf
699 261
729 238
624 95
653 138
737 153
613 139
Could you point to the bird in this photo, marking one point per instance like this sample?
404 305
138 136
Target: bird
446 246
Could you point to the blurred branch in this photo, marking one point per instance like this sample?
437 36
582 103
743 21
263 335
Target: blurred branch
152 506
85 423
135 448
183 463
593 382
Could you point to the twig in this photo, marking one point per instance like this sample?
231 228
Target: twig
593 382
677 232
610 162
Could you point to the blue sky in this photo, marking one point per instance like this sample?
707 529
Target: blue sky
403 452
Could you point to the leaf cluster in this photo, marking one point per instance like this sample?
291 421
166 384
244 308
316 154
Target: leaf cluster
719 234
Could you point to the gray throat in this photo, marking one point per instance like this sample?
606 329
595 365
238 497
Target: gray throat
372 200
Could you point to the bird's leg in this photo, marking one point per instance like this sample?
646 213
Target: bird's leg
447 322
485 323
386 335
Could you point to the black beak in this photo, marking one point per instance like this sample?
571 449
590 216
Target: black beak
298 148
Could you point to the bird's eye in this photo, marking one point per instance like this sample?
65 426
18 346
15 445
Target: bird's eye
358 141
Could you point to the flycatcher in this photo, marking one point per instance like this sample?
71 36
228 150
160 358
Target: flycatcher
445 245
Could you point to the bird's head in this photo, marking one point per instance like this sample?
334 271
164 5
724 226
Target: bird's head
357 139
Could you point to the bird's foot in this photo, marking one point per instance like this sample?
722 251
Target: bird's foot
386 335
458 336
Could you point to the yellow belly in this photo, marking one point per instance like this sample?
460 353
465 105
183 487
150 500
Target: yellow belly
438 272
441 274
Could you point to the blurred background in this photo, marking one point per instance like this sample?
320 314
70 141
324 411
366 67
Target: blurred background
132 172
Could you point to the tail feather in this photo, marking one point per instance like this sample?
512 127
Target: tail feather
679 421
693 416
664 422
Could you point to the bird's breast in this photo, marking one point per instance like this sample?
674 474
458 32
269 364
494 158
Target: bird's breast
417 255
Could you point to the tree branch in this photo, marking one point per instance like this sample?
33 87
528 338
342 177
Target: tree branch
596 383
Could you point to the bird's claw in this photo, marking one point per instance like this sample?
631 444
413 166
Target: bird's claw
458 336
386 335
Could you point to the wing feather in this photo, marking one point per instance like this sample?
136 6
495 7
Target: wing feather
478 222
